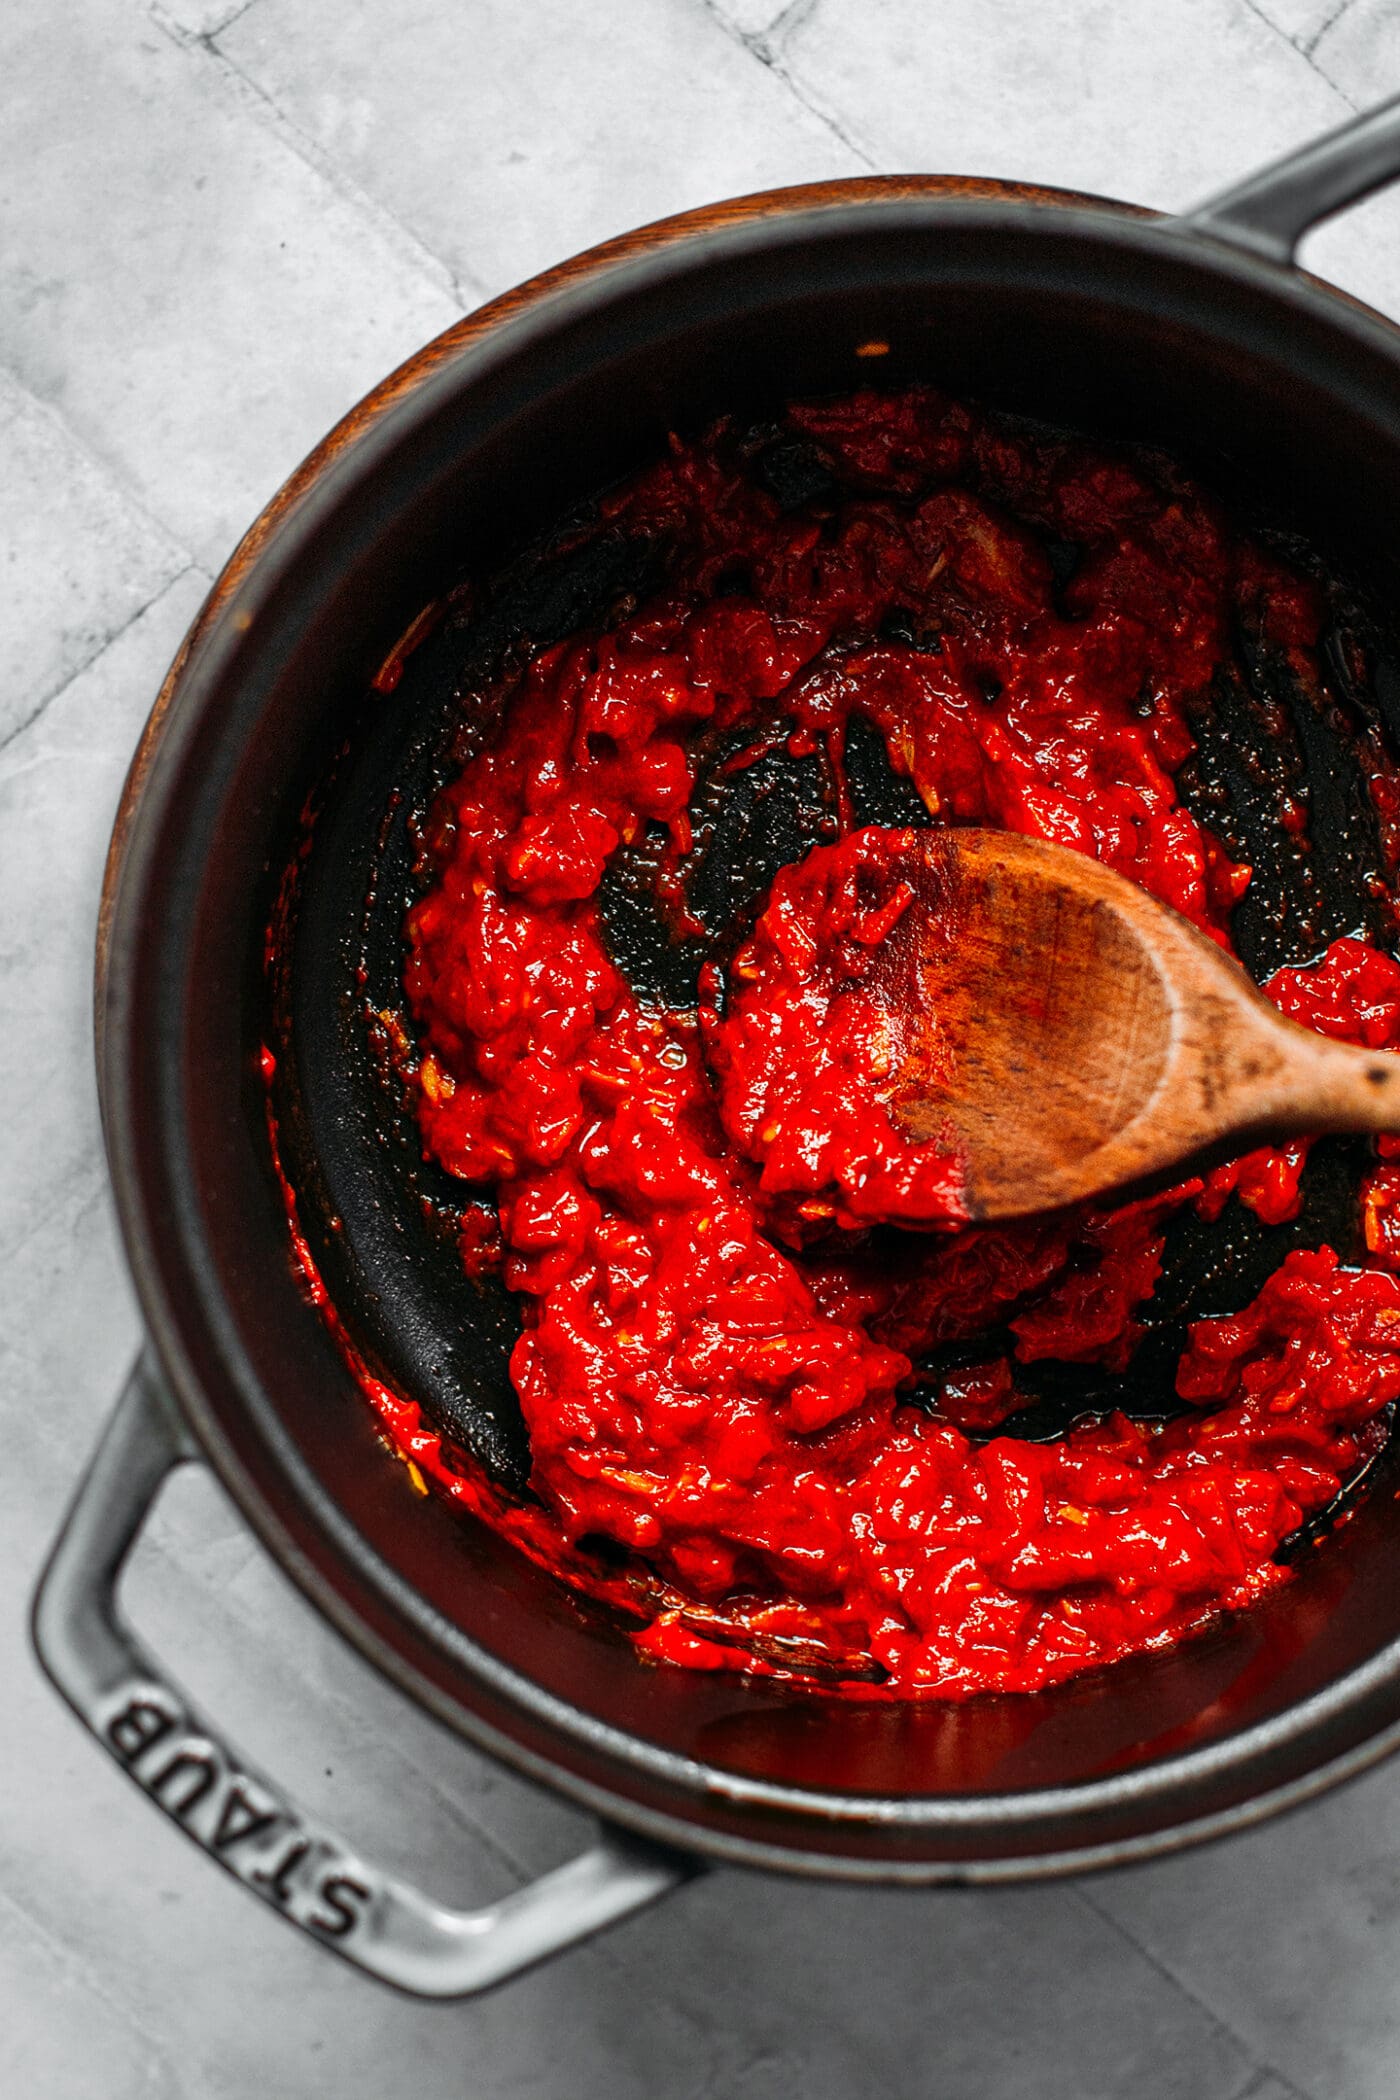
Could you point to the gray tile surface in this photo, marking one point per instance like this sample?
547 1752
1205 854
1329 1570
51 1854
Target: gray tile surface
562 124
1180 98
1359 49
1303 21
78 558
1266 1926
218 224
181 275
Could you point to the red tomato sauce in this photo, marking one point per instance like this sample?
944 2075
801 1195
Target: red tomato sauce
816 1029
716 1356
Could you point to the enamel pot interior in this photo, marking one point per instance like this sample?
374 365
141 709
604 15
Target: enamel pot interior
1284 397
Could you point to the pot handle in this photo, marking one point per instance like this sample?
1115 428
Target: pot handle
1270 212
240 1818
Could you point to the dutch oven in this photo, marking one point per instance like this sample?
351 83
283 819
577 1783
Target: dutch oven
1195 333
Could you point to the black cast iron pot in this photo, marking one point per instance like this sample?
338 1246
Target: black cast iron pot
1197 333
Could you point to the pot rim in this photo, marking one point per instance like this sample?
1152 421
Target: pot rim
327 478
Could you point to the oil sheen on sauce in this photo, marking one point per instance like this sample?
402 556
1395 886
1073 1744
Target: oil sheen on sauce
729 1262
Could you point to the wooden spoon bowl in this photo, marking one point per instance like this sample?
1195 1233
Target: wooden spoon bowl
1072 1035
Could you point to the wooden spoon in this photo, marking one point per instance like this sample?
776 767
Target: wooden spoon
1070 1035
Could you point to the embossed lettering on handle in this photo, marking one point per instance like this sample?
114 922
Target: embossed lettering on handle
248 1827
237 1814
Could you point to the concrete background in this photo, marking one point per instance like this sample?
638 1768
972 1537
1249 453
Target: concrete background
219 224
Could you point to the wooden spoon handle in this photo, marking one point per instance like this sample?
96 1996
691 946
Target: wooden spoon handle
1310 1083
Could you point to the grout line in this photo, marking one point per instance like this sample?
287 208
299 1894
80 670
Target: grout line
130 494
791 17
1177 1983
1270 24
1320 32
1266 2078
464 291
763 48
63 1955
234 15
46 701
1305 51
1323 74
